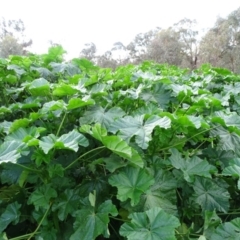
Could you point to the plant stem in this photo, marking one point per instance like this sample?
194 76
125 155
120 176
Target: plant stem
27 168
22 237
174 145
93 150
44 216
60 126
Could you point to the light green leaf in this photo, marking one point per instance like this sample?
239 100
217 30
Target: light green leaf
190 121
39 87
19 123
190 167
153 224
40 198
25 134
210 196
11 214
97 114
121 148
114 143
10 79
92 222
10 151
64 90
53 106
227 231
77 103
98 132
129 127
131 183
70 141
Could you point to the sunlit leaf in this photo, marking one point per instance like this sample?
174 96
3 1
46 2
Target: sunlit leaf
129 127
10 151
153 224
97 114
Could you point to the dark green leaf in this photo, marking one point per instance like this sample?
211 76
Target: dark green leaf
210 196
11 214
90 222
131 183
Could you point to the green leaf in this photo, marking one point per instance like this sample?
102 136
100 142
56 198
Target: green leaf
121 148
97 114
190 167
17 69
211 221
24 134
56 170
70 141
10 79
19 123
11 214
129 127
153 224
53 106
39 87
67 203
10 151
233 169
41 197
114 143
131 183
92 222
161 194
210 196
64 90
158 94
227 230
77 103
227 140
68 68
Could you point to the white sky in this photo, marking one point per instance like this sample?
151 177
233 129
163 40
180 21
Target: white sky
73 23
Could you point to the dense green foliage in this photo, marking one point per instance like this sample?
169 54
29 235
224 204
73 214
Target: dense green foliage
143 152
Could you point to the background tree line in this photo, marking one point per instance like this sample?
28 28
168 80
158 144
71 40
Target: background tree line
181 44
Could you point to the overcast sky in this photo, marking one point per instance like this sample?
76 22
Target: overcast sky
73 23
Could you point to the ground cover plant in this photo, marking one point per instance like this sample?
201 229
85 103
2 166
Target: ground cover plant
143 152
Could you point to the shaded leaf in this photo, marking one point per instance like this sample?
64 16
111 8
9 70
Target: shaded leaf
91 222
190 167
11 214
131 183
227 231
41 197
210 196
